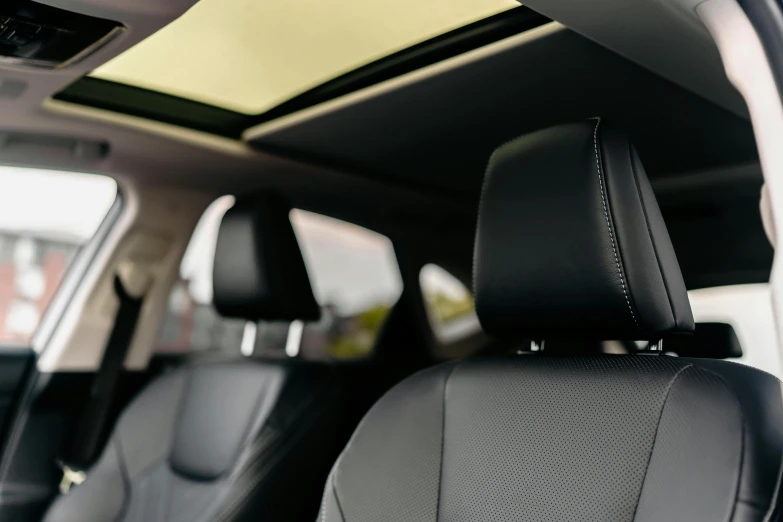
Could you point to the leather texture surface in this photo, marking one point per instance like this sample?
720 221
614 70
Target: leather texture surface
589 438
258 271
223 441
571 242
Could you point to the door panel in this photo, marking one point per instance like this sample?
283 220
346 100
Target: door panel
15 363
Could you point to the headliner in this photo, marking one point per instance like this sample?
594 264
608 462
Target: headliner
406 157
439 130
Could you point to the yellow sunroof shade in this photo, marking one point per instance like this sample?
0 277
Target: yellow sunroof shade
250 55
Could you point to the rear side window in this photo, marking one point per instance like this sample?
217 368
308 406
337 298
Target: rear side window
45 218
748 308
355 279
450 309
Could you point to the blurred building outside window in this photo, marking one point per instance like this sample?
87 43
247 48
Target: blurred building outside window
45 218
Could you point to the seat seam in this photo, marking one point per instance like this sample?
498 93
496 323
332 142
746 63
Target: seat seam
280 446
337 501
608 223
649 232
743 423
443 438
323 505
737 498
657 430
184 391
252 427
124 476
773 505
753 504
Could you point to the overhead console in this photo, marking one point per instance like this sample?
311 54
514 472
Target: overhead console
37 35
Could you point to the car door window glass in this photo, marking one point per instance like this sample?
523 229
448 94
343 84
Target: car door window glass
45 218
450 306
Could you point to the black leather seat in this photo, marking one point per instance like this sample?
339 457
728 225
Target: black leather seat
570 244
232 440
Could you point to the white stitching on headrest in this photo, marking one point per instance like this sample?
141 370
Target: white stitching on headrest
608 225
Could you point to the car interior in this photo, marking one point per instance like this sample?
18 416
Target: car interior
422 260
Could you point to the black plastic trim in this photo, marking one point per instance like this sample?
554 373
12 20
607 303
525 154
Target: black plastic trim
135 101
75 274
33 34
153 105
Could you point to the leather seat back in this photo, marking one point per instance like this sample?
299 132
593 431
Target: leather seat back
226 440
215 441
570 245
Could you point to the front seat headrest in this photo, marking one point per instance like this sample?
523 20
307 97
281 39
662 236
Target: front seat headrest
259 272
571 243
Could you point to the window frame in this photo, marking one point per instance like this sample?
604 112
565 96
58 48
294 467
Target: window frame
75 274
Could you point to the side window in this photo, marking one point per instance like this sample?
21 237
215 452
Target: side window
450 308
192 324
355 279
45 218
748 308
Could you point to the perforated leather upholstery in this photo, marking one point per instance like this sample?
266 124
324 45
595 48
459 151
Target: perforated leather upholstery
543 438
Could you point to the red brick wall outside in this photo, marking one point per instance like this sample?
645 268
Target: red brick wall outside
53 267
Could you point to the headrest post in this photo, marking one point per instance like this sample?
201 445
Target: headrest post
537 345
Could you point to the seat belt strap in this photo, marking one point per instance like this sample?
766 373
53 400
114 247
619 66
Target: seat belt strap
95 414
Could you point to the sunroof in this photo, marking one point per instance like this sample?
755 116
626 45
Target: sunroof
249 56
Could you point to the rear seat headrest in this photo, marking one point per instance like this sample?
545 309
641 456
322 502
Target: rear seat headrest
259 272
571 243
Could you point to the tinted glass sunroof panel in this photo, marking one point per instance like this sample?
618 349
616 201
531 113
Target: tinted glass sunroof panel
249 56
